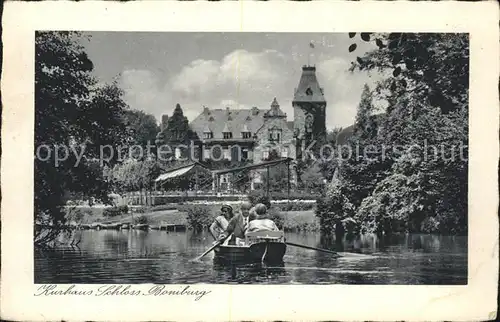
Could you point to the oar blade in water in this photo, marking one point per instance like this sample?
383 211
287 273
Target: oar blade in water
335 254
209 250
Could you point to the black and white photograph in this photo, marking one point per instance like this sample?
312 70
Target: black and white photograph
249 161
251 158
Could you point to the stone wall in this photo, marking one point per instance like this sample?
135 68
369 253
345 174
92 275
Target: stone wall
287 142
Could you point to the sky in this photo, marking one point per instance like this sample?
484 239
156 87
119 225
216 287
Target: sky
157 70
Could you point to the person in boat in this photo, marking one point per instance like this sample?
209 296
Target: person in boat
262 222
238 225
221 222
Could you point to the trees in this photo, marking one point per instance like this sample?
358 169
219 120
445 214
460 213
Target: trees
177 129
433 67
334 207
176 132
143 126
135 175
73 116
312 178
419 182
364 126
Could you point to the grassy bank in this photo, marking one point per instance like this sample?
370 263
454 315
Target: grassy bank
304 220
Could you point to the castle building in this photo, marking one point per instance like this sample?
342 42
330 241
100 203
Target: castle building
257 134
254 134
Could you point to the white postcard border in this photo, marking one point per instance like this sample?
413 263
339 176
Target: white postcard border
476 301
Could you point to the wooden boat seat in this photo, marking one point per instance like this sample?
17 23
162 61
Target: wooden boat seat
264 236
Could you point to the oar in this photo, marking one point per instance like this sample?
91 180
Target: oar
211 248
313 248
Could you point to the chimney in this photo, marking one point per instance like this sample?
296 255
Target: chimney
206 110
255 110
164 122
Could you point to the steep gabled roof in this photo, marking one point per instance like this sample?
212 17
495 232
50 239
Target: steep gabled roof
308 89
234 119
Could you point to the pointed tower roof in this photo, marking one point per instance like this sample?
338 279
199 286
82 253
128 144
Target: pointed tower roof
275 110
308 89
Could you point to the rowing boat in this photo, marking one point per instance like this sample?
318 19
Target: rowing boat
262 246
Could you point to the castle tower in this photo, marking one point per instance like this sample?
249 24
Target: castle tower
309 107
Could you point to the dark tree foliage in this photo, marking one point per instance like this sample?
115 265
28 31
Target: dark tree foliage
143 126
71 112
177 130
434 67
394 187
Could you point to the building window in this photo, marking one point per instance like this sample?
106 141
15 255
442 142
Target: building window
206 154
208 135
246 135
244 154
228 135
227 154
274 135
284 153
265 155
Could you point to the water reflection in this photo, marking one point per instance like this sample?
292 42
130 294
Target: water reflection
134 256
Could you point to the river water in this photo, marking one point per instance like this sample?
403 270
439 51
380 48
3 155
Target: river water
124 257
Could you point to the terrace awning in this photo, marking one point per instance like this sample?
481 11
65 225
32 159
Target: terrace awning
175 173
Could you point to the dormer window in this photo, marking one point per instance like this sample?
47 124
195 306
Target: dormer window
211 119
226 132
245 132
309 91
207 133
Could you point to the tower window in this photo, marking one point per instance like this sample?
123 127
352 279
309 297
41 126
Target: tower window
208 135
228 135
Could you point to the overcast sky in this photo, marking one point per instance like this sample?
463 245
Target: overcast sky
158 70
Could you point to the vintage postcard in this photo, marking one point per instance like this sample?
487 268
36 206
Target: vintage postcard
250 161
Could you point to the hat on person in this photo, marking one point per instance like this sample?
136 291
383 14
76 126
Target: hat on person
226 207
